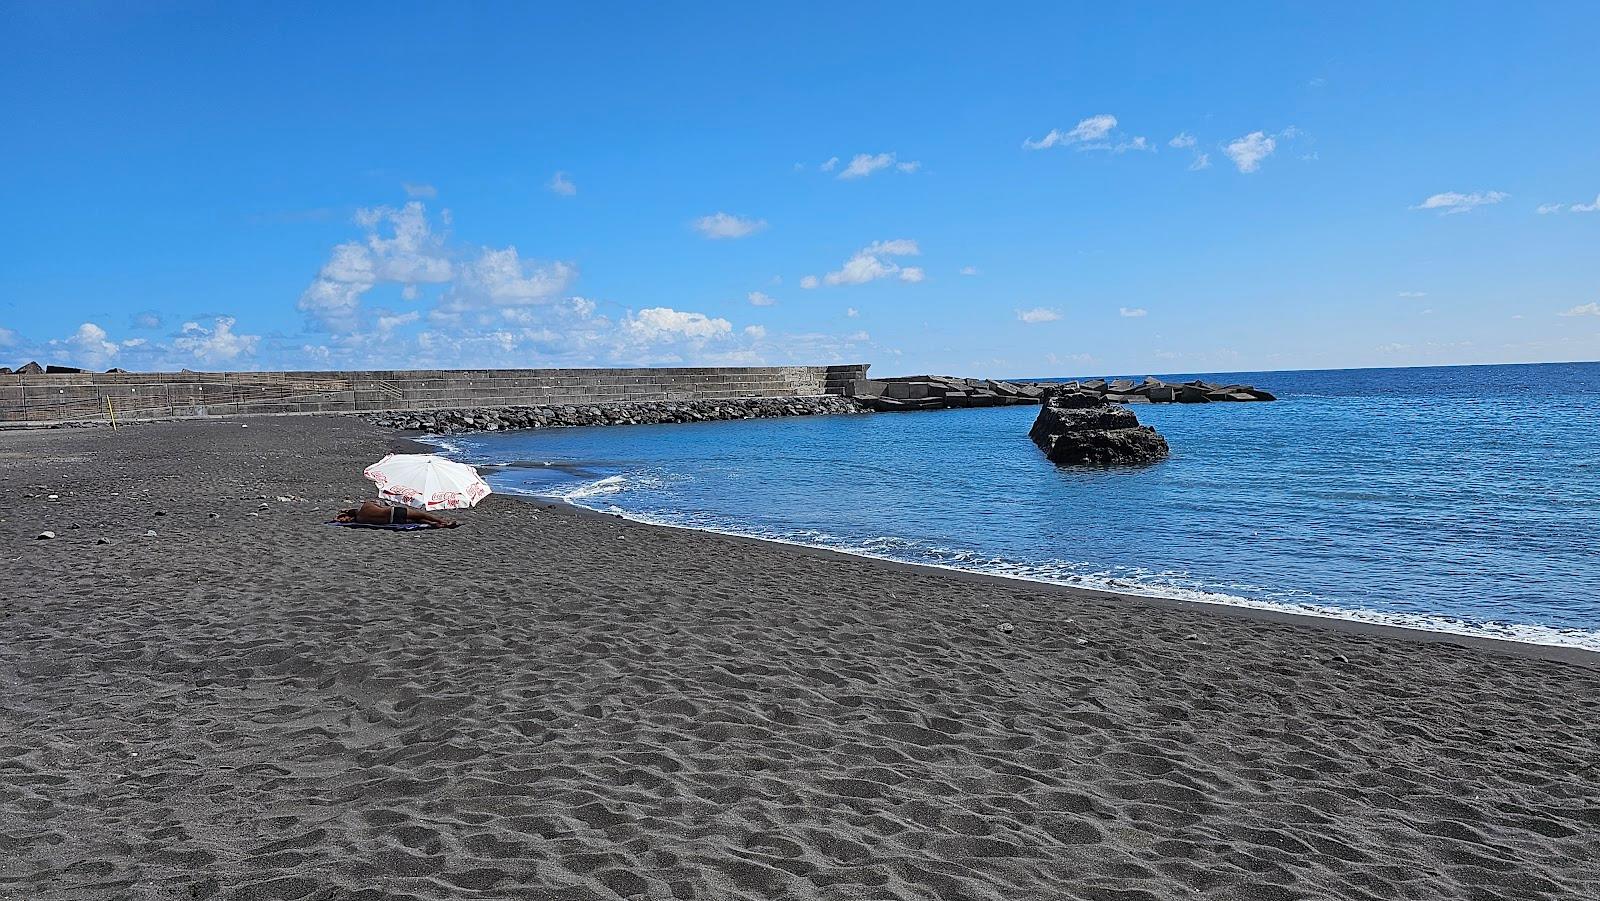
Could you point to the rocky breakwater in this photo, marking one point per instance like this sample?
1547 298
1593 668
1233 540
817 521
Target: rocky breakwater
493 419
1155 391
940 392
1072 431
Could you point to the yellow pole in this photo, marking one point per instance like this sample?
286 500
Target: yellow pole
112 413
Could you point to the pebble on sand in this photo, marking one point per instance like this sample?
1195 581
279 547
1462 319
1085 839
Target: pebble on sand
1005 627
150 533
45 535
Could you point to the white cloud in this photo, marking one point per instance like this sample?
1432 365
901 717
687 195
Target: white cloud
561 184
656 324
1452 202
1038 314
1201 161
1546 209
864 164
388 322
1183 139
134 342
756 332
1248 152
872 263
414 254
1093 133
831 163
1588 309
970 270
858 336
218 344
88 346
1412 294
758 299
146 320
1133 313
852 312
726 225
1587 207
424 191
1091 130
502 278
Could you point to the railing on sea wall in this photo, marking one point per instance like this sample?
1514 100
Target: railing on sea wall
98 396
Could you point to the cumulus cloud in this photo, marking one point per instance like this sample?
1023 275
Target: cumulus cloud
1248 152
420 190
412 254
1038 314
851 312
503 278
561 184
831 163
1452 202
656 324
1181 140
755 332
726 225
88 346
871 263
1132 312
149 319
1588 309
217 344
759 299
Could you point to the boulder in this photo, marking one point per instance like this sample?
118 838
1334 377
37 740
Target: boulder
1258 394
1192 394
1162 394
1095 436
865 388
1121 386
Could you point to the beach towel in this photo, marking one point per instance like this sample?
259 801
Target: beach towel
387 526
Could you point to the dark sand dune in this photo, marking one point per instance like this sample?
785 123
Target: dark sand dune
553 705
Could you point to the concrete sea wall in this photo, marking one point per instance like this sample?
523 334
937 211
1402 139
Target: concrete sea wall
160 395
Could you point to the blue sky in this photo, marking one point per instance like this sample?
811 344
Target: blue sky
1039 189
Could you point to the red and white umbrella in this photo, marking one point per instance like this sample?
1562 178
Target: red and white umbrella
427 482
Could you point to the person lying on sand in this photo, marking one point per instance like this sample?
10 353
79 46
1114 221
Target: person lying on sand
378 513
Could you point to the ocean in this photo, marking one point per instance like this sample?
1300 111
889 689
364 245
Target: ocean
1462 499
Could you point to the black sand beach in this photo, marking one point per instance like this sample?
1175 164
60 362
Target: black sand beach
549 704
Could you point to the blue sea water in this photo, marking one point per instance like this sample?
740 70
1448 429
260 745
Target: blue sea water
1462 499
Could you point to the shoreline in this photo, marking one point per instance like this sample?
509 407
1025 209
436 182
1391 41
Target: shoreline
1250 608
1536 650
207 693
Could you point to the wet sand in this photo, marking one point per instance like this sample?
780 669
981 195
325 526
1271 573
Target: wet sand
549 704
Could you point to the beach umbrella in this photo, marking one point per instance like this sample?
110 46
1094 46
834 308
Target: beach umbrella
427 482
